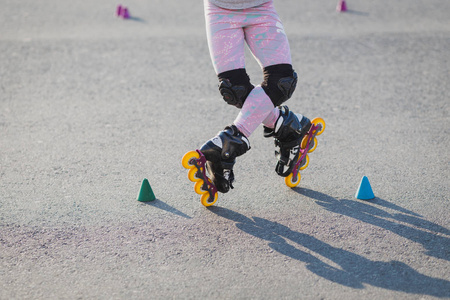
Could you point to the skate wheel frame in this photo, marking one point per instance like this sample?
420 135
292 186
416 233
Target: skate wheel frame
195 162
308 145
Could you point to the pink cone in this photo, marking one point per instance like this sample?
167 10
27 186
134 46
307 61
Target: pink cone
341 7
119 11
125 13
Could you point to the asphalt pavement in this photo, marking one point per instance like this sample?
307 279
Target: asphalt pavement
91 104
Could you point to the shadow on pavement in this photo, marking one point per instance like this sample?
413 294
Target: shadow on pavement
355 270
164 206
358 13
137 19
423 232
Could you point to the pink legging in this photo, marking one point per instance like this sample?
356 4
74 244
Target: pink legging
261 28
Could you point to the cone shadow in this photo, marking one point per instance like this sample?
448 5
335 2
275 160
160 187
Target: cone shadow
164 206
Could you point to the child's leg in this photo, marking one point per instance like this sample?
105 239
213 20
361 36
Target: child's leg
257 107
266 37
226 44
262 30
267 40
271 118
226 40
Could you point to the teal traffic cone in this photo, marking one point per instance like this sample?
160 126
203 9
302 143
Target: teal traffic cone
146 193
364 191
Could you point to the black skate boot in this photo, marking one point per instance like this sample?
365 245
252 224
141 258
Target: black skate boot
289 131
221 152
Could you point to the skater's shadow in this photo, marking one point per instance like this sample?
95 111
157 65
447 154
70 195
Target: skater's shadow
402 222
164 206
354 270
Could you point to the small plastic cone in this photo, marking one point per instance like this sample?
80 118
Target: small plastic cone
146 193
342 6
125 13
119 11
364 191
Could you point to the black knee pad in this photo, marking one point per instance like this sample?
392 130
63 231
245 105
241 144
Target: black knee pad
279 82
235 86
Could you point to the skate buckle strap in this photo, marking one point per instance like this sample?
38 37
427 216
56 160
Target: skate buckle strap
229 176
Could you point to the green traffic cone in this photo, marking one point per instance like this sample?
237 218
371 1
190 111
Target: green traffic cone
146 194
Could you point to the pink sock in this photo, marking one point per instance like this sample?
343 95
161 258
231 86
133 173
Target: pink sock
257 108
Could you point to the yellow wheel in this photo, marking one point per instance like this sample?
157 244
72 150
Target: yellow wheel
319 122
198 187
192 175
206 200
186 161
304 142
305 162
312 145
290 182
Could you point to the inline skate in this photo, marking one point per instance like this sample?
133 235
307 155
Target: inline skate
294 137
211 166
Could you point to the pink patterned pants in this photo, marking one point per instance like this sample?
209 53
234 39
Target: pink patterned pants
261 29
